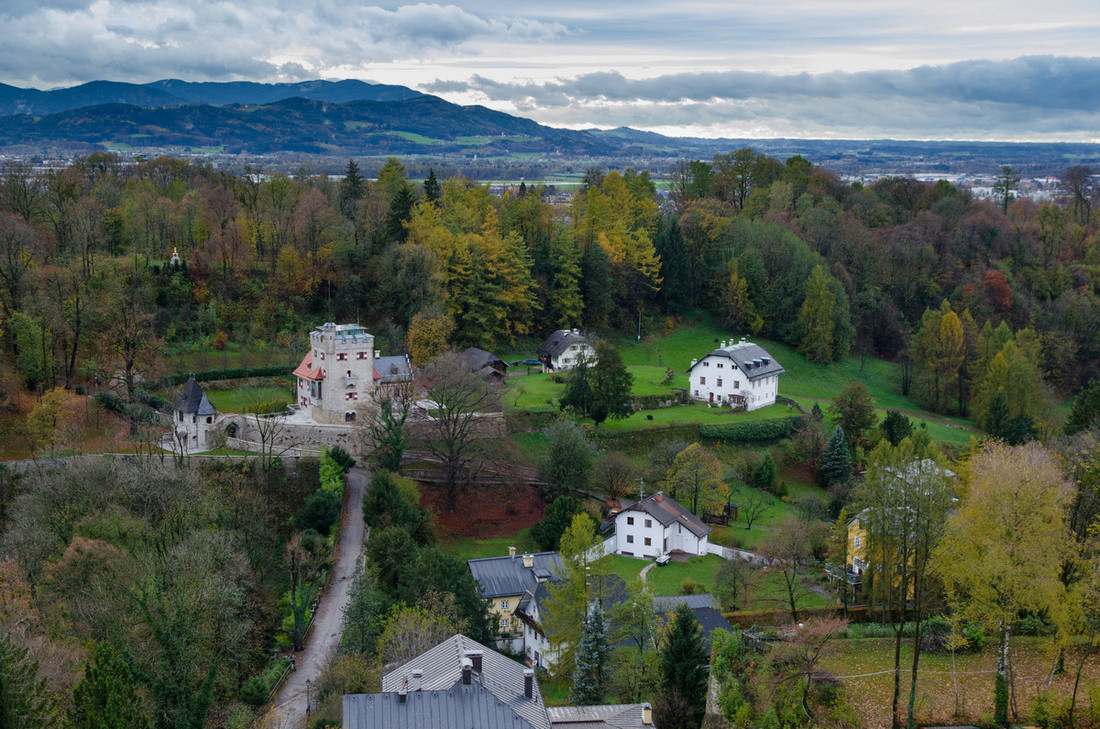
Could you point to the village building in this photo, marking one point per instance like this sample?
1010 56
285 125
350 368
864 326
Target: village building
504 580
563 349
342 371
740 375
658 525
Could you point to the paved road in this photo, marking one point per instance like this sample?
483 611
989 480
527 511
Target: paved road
289 708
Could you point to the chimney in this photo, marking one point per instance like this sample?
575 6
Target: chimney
647 714
418 679
475 659
659 497
529 682
512 552
403 693
467 671
528 560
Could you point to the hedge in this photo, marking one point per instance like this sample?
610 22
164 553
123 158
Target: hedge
752 431
233 373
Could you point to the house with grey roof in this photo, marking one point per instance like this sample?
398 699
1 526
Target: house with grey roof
563 349
740 375
536 604
458 683
193 418
485 365
503 581
705 608
658 525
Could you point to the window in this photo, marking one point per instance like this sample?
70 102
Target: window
630 539
857 542
341 356
719 381
706 364
648 541
630 520
503 604
736 384
648 523
702 380
504 623
719 365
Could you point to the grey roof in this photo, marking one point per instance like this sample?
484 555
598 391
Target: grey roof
616 716
476 359
504 576
668 604
395 368
559 341
752 359
459 707
667 510
609 589
193 400
500 675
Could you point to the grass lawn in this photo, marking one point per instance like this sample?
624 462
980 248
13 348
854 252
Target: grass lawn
667 580
474 548
965 680
240 400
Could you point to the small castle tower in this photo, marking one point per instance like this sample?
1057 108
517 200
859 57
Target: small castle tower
194 418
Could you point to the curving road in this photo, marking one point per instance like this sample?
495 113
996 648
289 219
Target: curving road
288 710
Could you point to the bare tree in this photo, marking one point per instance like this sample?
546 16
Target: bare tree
789 547
456 426
753 506
1078 184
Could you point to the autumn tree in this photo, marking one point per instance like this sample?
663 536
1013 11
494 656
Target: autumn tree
460 421
789 547
697 473
572 593
905 498
997 555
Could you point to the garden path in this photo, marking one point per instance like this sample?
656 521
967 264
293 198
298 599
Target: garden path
291 706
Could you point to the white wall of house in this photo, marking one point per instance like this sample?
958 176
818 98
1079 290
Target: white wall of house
568 359
345 355
718 380
640 535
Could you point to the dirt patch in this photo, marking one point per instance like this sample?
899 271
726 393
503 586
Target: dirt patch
488 510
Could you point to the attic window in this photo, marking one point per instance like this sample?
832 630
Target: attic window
630 520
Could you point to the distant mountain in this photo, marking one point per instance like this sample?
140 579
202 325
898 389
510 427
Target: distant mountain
420 125
172 92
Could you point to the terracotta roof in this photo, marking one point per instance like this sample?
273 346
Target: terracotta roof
306 371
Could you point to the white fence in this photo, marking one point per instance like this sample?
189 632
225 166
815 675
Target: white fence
730 552
601 550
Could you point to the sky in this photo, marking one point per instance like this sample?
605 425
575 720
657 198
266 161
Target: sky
821 69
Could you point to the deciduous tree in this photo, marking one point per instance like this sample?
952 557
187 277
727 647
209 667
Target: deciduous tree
697 474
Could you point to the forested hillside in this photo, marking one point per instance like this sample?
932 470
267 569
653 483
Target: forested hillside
990 305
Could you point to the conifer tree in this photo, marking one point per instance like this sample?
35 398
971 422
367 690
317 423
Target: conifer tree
836 461
684 666
24 700
815 319
107 696
590 677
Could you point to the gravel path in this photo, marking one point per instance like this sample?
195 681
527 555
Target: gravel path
288 711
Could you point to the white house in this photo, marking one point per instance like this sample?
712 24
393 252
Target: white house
341 371
741 375
563 349
658 525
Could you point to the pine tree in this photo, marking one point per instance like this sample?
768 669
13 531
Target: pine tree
24 700
836 461
592 671
611 385
351 190
684 663
107 697
432 190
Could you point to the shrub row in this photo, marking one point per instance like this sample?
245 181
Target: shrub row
233 373
136 412
751 431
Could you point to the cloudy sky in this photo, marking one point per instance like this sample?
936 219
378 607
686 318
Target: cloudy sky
930 69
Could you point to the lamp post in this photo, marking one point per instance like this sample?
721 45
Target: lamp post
308 707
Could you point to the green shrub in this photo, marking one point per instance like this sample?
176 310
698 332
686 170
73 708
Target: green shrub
751 431
689 586
320 512
254 692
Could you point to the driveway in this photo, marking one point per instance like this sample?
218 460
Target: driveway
288 710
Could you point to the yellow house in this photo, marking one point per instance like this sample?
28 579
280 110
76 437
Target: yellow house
504 580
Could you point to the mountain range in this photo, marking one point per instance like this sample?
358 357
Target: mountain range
357 119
